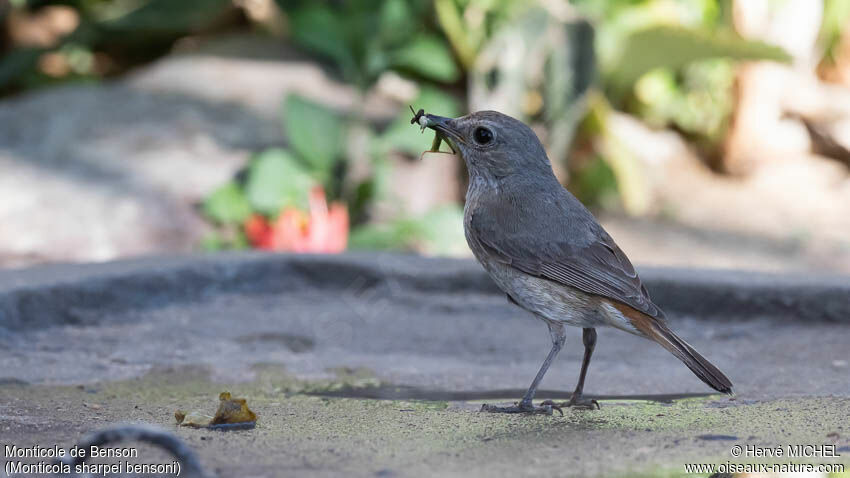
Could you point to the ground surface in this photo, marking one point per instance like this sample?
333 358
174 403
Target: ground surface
376 366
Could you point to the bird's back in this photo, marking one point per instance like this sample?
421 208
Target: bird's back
544 231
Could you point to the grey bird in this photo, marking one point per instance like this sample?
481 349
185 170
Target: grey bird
547 252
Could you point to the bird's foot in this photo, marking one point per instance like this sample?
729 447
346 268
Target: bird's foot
576 401
545 408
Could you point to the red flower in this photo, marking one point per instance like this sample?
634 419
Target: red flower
258 232
324 230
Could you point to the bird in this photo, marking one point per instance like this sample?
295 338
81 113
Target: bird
547 252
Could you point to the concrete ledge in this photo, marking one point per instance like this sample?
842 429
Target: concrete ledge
62 294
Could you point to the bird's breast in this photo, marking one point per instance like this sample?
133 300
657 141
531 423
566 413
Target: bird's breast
470 209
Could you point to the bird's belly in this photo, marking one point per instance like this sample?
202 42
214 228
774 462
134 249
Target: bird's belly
553 301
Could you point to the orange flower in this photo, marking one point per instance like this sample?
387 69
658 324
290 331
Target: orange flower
324 230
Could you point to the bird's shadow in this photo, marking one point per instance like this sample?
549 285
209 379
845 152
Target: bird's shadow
406 392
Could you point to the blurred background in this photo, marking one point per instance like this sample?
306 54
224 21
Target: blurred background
702 133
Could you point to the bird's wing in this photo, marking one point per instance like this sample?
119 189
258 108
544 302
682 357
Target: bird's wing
543 247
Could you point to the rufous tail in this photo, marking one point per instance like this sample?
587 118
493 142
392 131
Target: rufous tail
658 331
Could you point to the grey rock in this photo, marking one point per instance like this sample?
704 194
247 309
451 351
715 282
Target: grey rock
427 324
94 173
97 172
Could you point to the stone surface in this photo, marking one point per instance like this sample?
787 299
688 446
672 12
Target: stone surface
85 346
113 172
415 321
320 436
255 73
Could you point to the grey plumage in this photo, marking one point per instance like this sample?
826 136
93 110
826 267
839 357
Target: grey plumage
543 247
544 231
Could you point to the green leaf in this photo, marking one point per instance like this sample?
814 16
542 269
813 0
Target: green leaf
240 240
227 205
275 180
405 137
168 17
224 239
396 20
674 47
319 29
315 133
393 236
835 15
632 182
594 183
16 63
440 232
464 41
212 242
428 56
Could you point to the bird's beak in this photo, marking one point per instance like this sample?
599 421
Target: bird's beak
445 127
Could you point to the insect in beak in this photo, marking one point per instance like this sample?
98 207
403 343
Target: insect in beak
426 121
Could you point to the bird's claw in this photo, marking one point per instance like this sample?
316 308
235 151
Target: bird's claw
553 405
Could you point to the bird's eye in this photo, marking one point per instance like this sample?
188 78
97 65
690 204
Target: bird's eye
482 135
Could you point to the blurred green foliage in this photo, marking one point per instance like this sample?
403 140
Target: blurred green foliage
697 101
440 231
401 136
278 178
228 204
835 16
469 24
594 182
668 62
364 38
538 68
361 40
316 135
673 48
127 31
436 232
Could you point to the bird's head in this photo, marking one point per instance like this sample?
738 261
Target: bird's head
492 144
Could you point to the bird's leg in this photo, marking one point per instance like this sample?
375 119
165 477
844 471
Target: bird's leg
558 334
588 336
